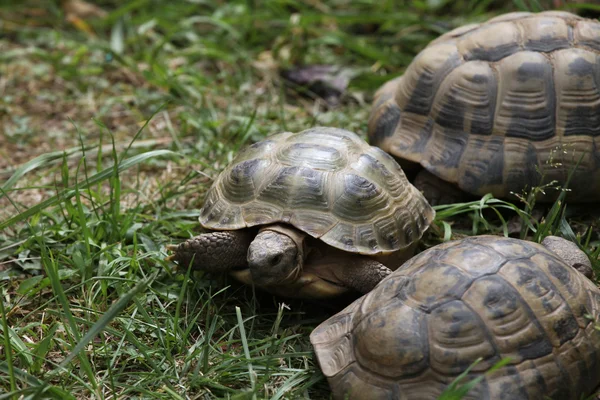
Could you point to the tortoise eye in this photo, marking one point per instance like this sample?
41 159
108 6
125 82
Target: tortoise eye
276 260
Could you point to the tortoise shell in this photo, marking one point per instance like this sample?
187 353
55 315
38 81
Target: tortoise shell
499 297
491 106
326 182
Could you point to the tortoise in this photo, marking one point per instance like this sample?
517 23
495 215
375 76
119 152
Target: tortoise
487 297
495 107
313 214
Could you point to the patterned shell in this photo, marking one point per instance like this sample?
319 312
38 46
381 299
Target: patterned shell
499 297
326 182
489 106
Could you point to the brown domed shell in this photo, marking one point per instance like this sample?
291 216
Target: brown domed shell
492 106
484 297
326 182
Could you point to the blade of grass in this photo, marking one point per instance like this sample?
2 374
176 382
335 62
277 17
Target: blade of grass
251 374
455 392
99 177
52 270
107 317
7 347
33 382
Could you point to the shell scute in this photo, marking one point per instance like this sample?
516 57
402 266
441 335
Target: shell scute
466 101
545 34
423 77
578 92
311 155
543 299
587 33
492 42
433 285
513 330
458 339
526 98
392 347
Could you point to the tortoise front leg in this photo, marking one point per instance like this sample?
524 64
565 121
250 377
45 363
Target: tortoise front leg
213 252
362 274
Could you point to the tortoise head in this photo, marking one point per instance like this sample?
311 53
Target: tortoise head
570 253
276 256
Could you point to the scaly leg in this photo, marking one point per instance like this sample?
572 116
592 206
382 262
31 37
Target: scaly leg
213 252
363 274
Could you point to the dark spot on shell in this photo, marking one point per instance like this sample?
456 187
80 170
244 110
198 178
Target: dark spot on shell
482 120
452 114
581 67
375 169
244 169
561 273
372 243
361 188
386 124
531 70
535 349
418 146
539 124
498 299
547 43
492 54
566 328
348 242
459 318
527 276
480 78
485 171
583 120
427 85
547 305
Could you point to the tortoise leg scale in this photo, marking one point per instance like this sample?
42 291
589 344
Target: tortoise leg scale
216 252
363 274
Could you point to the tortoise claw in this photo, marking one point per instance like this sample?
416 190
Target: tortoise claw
171 247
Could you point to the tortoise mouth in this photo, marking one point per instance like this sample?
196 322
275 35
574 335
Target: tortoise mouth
295 275
307 285
245 273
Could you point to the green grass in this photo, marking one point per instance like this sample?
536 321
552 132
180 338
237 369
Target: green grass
110 141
